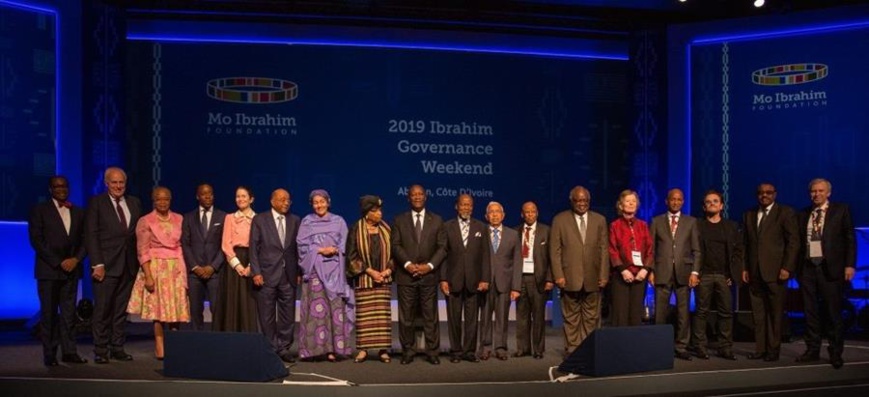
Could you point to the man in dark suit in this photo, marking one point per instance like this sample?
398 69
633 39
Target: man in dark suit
504 285
721 250
201 238
274 264
56 230
464 275
676 267
771 248
827 261
418 249
578 249
535 284
110 237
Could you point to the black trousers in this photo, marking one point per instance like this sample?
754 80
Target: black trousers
199 290
819 292
415 301
713 291
463 334
530 318
110 313
57 315
628 305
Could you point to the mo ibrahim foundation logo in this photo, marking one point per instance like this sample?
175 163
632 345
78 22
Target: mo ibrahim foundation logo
233 121
254 90
783 76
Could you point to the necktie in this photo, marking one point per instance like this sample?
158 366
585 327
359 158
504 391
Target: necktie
417 226
582 227
817 230
496 239
762 217
204 220
674 224
282 232
526 250
121 216
465 226
66 204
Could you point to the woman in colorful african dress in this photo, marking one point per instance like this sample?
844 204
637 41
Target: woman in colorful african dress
370 267
160 290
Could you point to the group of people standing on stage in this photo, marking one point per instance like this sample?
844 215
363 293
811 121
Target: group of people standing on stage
252 267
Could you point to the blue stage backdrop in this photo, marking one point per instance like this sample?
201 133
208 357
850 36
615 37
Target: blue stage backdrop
361 121
27 108
785 110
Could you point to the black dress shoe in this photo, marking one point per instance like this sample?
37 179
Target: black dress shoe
73 358
683 355
808 357
485 355
101 359
49 361
406 359
837 362
520 354
727 355
455 359
703 355
287 358
538 356
433 360
756 356
471 357
501 356
122 356
771 357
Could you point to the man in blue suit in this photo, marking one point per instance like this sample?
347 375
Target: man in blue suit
274 263
56 231
202 234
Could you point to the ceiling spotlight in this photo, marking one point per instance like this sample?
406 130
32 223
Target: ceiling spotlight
759 3
682 1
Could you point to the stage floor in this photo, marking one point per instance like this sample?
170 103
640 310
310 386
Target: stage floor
22 373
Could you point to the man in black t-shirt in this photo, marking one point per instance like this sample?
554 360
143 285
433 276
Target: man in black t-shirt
721 248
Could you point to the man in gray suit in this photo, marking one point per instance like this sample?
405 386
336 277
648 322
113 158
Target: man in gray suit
676 267
536 282
578 245
504 285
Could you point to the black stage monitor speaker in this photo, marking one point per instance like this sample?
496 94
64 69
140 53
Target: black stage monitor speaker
622 350
233 356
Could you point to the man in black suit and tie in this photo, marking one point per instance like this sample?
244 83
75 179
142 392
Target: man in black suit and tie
274 264
827 261
201 237
110 237
504 285
771 248
536 282
676 267
464 275
418 249
56 235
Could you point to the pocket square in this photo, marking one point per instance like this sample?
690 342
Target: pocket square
478 234
217 224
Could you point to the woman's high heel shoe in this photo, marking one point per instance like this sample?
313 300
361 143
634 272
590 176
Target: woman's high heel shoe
361 357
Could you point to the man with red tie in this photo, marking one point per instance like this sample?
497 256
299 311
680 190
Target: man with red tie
110 238
536 282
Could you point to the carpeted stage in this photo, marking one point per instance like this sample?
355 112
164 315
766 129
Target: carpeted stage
22 374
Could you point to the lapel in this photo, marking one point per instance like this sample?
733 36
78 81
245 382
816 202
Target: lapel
55 216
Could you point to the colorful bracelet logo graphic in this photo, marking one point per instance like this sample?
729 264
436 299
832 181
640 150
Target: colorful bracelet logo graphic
796 73
255 90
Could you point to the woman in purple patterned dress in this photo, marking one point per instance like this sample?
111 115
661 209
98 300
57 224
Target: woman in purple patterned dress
326 314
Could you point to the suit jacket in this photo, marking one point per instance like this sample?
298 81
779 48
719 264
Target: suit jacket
683 249
773 246
465 267
267 256
431 247
51 243
734 250
582 265
506 262
202 250
838 242
106 240
542 271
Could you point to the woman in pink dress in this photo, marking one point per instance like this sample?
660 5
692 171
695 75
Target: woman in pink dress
160 290
237 309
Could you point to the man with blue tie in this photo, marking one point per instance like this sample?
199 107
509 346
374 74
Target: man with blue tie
274 264
827 261
201 236
56 234
504 284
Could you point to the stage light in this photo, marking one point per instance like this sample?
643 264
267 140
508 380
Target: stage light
759 3
682 1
